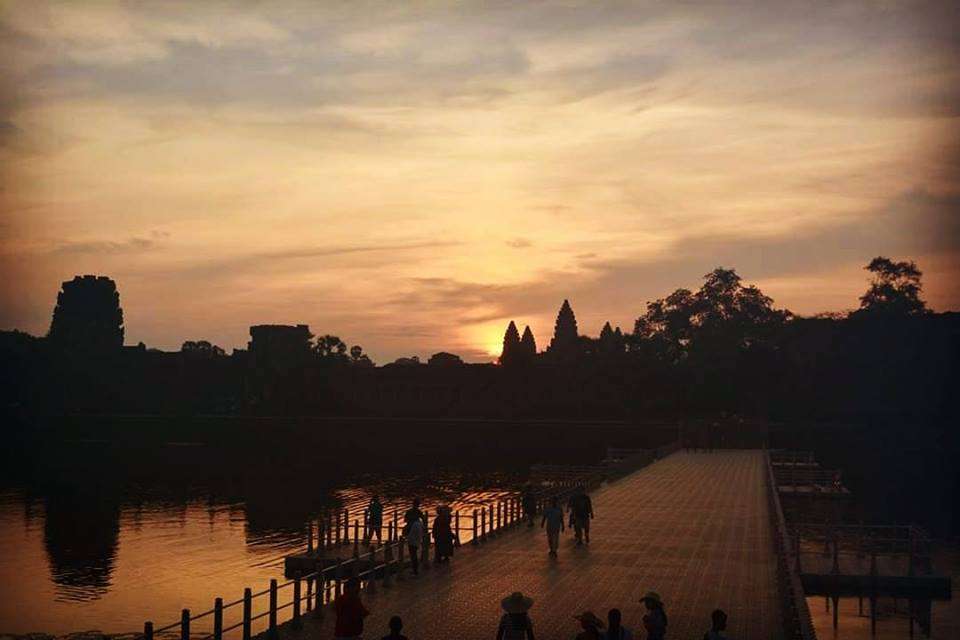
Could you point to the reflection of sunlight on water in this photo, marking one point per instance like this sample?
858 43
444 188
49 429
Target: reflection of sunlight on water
146 558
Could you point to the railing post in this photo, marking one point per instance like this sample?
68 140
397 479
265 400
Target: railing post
474 539
456 527
356 539
483 524
367 535
185 624
296 602
310 536
218 619
247 612
272 615
148 630
318 596
346 526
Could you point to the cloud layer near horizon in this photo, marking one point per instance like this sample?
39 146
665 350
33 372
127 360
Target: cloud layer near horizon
411 177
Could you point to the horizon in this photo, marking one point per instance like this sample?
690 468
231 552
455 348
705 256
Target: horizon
412 179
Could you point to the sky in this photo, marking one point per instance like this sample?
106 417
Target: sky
413 176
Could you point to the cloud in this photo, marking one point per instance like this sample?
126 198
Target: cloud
131 245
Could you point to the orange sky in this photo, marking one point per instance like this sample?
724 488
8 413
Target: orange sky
413 176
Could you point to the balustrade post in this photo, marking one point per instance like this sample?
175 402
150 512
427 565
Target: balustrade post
474 539
310 536
336 539
218 619
148 630
456 525
499 515
247 611
338 580
346 526
296 623
185 624
318 595
367 534
483 524
356 539
272 615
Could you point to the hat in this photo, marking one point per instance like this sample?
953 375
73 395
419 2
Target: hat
516 602
652 596
588 617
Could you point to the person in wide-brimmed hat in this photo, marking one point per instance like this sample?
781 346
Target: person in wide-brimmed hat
655 621
515 623
590 624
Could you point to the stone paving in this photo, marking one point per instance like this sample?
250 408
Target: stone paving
693 527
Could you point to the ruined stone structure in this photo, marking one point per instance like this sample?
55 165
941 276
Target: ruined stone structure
88 316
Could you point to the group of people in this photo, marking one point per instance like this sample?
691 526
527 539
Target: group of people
516 624
580 513
415 531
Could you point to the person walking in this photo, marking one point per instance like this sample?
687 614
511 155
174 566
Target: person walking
515 624
616 631
415 533
412 513
374 519
591 626
655 620
442 535
718 626
553 521
529 503
350 612
581 512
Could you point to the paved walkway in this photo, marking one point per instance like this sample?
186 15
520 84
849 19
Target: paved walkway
693 527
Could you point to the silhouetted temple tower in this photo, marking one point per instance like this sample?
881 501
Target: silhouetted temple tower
511 345
528 346
566 341
88 315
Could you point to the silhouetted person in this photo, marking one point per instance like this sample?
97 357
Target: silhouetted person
396 626
412 513
529 502
591 626
718 625
581 512
414 533
443 534
515 624
616 631
553 521
350 612
655 620
374 519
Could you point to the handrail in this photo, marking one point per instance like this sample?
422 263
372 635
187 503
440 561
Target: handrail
797 624
486 520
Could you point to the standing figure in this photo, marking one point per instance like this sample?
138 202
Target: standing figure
515 623
616 631
553 520
414 535
581 512
443 534
718 624
374 519
655 620
350 612
591 626
529 503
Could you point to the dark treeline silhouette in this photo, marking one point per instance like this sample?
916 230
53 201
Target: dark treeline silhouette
722 348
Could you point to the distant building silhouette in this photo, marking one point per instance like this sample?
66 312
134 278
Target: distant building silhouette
279 345
511 346
528 346
88 315
566 341
444 359
610 341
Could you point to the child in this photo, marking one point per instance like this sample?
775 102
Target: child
396 625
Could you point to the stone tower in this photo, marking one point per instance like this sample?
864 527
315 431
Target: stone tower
88 315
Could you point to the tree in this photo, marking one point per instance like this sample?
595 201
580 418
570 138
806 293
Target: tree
358 358
511 346
331 348
444 359
202 348
895 288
